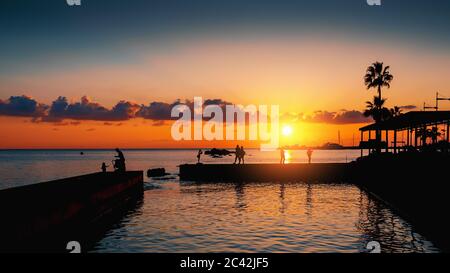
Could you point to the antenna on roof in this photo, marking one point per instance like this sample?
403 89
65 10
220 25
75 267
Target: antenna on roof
438 98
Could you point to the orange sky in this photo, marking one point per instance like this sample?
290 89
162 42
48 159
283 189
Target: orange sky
302 75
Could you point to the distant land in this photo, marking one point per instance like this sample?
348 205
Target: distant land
326 146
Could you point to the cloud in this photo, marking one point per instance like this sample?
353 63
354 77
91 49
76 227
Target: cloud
22 106
291 117
351 117
158 112
87 110
341 117
408 107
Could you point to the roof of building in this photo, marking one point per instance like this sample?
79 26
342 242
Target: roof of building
414 119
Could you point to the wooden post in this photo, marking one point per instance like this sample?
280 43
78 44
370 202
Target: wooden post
415 137
362 139
395 141
387 141
370 134
448 133
448 136
407 137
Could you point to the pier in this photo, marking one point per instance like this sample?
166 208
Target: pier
332 172
412 185
46 215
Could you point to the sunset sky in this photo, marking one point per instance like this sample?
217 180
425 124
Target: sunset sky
121 64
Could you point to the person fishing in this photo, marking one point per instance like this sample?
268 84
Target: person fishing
120 161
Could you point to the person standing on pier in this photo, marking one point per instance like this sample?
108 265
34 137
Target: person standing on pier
242 154
199 154
283 156
237 154
309 153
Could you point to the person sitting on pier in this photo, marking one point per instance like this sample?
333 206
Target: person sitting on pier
199 154
283 156
119 163
309 153
104 166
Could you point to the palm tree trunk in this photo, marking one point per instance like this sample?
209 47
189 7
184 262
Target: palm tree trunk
379 95
378 132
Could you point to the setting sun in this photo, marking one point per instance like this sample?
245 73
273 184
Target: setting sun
287 130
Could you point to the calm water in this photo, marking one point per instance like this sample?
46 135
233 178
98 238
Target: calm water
219 217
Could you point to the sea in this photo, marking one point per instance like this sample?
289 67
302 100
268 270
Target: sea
175 216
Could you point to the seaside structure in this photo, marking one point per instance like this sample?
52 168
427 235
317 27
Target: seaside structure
46 216
417 126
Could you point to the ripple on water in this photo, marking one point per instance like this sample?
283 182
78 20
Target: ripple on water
267 217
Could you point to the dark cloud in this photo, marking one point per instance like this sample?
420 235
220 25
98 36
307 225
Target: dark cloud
88 110
158 112
342 117
350 117
22 106
408 107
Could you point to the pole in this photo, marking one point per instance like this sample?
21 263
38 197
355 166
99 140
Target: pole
448 133
387 141
407 137
437 101
362 138
395 141
415 137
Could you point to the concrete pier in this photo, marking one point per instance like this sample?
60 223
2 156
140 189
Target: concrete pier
332 172
415 186
49 211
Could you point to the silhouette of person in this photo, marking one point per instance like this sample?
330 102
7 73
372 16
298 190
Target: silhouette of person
199 154
282 156
242 155
309 153
104 166
237 154
120 161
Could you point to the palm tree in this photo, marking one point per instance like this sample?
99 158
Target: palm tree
425 133
378 76
396 111
374 109
434 134
378 112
